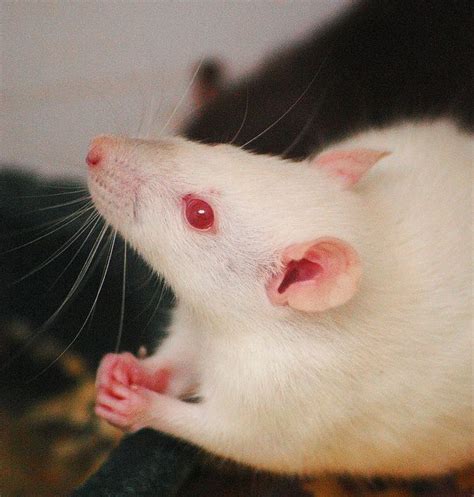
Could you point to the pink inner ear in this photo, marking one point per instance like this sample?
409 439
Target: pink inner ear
315 276
349 165
302 270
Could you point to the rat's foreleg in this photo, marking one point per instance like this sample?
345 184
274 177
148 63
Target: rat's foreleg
177 355
170 369
221 432
135 407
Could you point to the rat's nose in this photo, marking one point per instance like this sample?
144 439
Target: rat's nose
93 157
98 150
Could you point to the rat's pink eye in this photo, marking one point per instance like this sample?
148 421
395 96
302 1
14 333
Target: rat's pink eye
199 213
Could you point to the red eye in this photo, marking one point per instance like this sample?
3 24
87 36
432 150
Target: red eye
199 213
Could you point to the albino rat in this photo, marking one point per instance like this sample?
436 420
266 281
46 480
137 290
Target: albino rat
324 307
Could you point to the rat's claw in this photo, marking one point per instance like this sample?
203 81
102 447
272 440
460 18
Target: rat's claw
107 399
124 406
122 368
111 417
123 392
105 369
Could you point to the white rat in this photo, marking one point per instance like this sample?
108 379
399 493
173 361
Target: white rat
324 307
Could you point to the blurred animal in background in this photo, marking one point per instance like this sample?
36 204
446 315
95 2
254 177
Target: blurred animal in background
208 83
378 63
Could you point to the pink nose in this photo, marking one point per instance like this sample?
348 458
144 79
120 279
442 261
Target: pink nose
93 157
98 150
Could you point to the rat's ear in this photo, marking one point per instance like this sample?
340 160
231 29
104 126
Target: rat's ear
316 275
349 165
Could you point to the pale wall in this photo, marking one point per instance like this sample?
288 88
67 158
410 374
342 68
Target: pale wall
70 70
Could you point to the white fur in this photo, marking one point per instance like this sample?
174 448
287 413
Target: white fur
380 385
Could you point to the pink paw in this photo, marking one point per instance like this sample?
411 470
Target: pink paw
127 407
126 369
125 389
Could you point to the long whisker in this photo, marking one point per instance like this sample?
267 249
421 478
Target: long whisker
59 186
60 250
148 114
122 307
152 298
156 112
101 284
308 123
144 131
299 135
62 225
56 206
141 285
38 227
188 87
71 292
164 83
81 274
157 305
162 293
43 195
243 120
295 103
147 93
91 230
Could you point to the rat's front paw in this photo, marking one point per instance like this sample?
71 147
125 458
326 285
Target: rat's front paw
125 369
120 368
127 407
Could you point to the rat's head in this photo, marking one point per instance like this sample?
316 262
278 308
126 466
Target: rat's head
229 228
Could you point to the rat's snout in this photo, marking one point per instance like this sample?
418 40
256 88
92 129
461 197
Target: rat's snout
115 177
122 172
100 150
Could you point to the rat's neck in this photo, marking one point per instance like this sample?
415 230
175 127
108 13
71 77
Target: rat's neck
271 322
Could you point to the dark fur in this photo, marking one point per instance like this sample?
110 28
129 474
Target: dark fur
381 62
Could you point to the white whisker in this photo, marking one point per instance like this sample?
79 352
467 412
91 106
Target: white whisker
71 217
47 224
308 123
295 103
71 292
56 206
155 113
61 249
243 120
158 304
43 195
91 230
101 284
124 288
188 87
152 298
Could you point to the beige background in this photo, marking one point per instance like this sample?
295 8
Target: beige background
73 69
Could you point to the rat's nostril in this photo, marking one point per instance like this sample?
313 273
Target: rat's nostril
101 149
